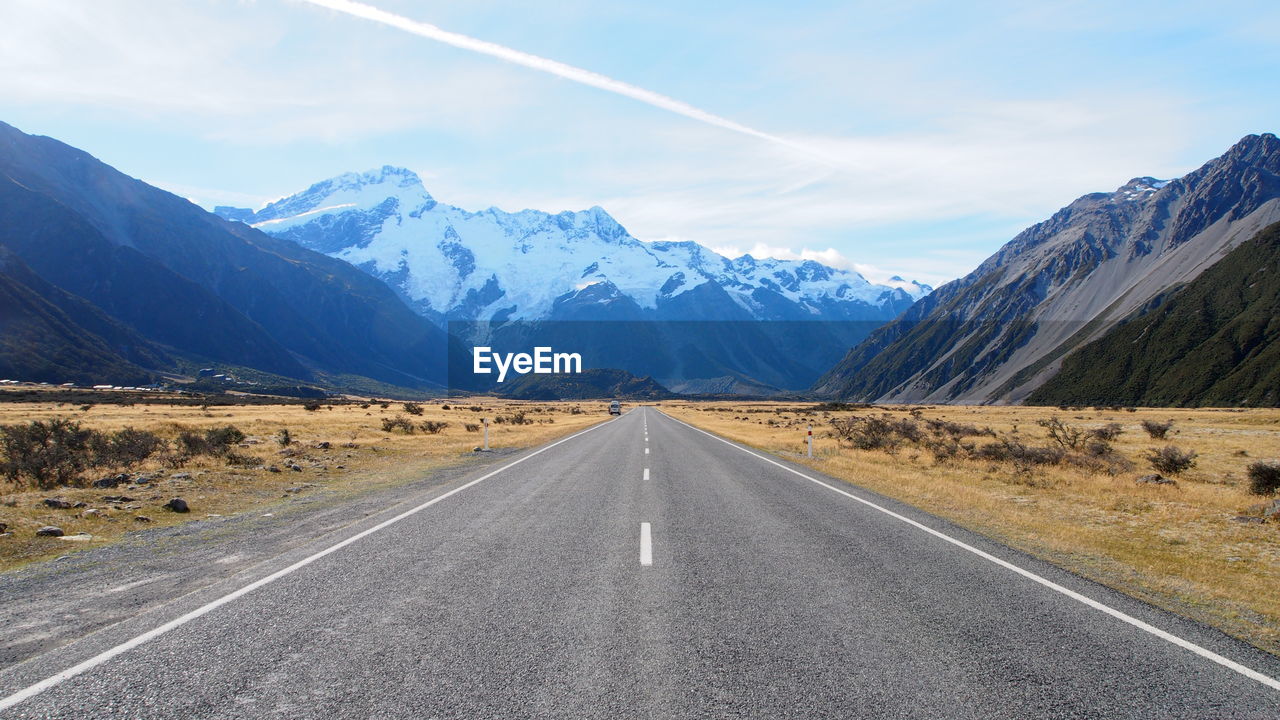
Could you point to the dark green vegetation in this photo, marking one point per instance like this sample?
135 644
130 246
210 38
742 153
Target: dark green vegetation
1210 343
52 453
587 385
106 279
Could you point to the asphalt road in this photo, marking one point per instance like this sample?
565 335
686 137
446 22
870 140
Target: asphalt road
530 591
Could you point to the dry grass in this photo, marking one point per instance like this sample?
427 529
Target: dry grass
1180 547
360 455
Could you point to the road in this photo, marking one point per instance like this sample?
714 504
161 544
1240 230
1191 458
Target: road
644 568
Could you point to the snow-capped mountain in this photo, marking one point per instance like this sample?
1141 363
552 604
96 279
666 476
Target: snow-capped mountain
451 264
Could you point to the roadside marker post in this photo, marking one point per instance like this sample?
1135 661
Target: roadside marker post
809 439
486 433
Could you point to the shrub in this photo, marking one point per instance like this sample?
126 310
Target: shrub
866 433
413 408
235 459
124 447
1108 432
398 422
515 418
955 430
224 437
284 437
433 427
471 427
1264 477
214 441
1171 460
311 406
48 453
444 407
1157 430
1068 437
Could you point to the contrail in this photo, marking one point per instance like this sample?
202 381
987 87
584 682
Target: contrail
569 72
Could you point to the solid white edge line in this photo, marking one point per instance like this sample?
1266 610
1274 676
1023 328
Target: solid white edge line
96 660
1119 615
646 544
646 473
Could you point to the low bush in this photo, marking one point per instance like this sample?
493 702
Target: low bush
398 422
1264 477
235 459
1108 432
1157 430
311 406
433 427
45 453
471 427
124 448
413 408
1171 460
1068 437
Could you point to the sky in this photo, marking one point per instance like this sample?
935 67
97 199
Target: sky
907 138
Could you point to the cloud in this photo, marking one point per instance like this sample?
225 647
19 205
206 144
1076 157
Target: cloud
552 67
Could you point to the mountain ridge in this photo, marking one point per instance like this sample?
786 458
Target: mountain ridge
999 332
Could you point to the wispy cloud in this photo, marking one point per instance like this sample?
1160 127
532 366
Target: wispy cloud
553 67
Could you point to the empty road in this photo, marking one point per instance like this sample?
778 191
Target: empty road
644 568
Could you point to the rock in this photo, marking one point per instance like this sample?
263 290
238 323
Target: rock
59 503
178 505
1248 519
144 478
1272 511
180 476
118 499
91 513
141 519
324 445
273 468
4 527
50 531
1155 479
111 481
78 537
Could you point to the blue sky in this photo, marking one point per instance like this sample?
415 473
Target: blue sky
935 131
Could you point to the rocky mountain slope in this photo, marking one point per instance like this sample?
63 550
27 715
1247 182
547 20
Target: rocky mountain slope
1212 342
452 264
673 310
1000 332
199 285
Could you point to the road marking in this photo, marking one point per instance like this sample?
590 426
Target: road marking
96 660
646 545
646 451
1118 614
646 473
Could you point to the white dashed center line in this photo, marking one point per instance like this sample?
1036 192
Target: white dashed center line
646 545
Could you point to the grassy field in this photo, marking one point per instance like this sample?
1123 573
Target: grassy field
1195 547
339 447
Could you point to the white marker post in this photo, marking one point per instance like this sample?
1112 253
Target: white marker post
486 433
809 439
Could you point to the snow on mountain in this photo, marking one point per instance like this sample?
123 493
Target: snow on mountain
453 264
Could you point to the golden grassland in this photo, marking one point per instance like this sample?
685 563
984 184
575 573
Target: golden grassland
360 456
1184 547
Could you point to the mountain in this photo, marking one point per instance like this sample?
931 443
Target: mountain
45 335
587 385
480 272
1214 341
1000 332
200 285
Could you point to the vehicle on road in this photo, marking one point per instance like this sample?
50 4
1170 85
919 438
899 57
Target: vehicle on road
615 408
